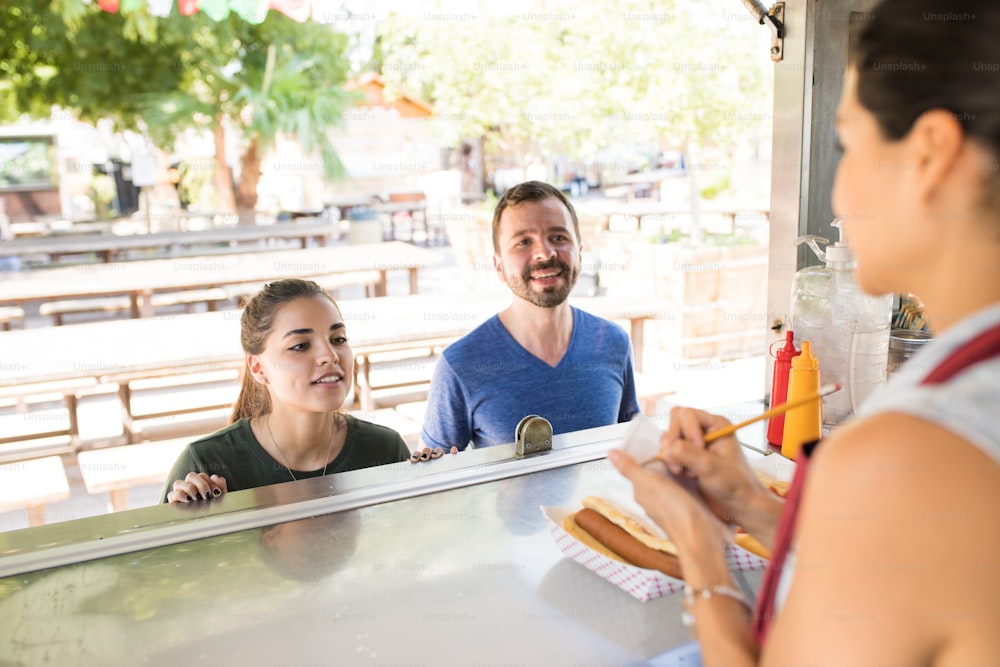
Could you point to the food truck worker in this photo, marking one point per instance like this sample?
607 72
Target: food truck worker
539 356
885 553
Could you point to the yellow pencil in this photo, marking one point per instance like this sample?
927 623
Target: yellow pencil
825 390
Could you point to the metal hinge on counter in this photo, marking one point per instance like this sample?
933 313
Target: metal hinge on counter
532 436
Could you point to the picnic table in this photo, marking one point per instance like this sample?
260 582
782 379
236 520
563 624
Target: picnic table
69 360
412 210
635 215
140 280
109 247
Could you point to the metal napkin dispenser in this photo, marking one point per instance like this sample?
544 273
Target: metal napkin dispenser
532 436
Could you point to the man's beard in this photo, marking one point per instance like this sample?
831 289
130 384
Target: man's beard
550 296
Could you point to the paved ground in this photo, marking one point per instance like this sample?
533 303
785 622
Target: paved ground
703 384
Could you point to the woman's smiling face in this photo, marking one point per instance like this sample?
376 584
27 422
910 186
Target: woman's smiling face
306 363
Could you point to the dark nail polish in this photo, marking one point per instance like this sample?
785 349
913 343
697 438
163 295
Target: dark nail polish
216 492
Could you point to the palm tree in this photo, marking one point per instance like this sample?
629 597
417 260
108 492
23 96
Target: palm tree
286 102
276 79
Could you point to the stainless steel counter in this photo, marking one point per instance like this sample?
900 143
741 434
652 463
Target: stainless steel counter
446 562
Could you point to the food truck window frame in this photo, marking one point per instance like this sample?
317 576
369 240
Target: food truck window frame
804 156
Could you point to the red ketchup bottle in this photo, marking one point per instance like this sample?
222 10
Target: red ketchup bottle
779 386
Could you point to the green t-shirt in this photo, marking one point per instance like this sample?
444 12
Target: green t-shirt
234 454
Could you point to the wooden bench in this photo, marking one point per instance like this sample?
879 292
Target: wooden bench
114 470
119 304
417 353
207 390
10 314
69 389
57 309
33 484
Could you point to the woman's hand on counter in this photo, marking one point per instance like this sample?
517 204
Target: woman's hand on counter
197 486
728 483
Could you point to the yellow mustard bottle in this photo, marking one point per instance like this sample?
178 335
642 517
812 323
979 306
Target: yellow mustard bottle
804 423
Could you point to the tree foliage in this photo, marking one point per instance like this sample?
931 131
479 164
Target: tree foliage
79 60
574 77
165 75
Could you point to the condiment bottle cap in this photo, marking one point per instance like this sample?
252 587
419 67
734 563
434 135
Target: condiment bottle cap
787 351
805 361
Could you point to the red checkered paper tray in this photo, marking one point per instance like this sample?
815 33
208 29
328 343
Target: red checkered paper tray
640 583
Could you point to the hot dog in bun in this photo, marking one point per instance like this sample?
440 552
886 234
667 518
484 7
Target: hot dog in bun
613 533
776 487
753 545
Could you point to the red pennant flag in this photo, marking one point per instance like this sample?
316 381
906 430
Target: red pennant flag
187 7
297 10
108 5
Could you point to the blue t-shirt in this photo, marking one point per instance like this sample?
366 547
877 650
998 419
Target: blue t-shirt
485 383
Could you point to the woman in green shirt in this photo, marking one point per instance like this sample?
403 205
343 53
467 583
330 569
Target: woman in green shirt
286 423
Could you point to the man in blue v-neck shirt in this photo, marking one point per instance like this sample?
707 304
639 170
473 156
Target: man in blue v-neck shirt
539 356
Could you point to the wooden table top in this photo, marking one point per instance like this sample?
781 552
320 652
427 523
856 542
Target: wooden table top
147 276
65 244
189 343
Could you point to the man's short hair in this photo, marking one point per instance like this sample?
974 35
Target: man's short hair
530 191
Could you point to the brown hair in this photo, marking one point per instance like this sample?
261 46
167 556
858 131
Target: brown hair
255 325
530 191
916 55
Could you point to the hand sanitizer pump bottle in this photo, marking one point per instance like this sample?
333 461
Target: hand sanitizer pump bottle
848 329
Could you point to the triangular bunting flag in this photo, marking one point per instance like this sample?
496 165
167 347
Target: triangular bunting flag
297 10
187 7
252 11
160 8
217 10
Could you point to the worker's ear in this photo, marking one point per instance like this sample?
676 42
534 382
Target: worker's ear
936 139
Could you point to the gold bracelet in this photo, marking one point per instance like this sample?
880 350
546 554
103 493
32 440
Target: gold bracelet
706 593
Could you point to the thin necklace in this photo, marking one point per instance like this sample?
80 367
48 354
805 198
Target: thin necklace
329 448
